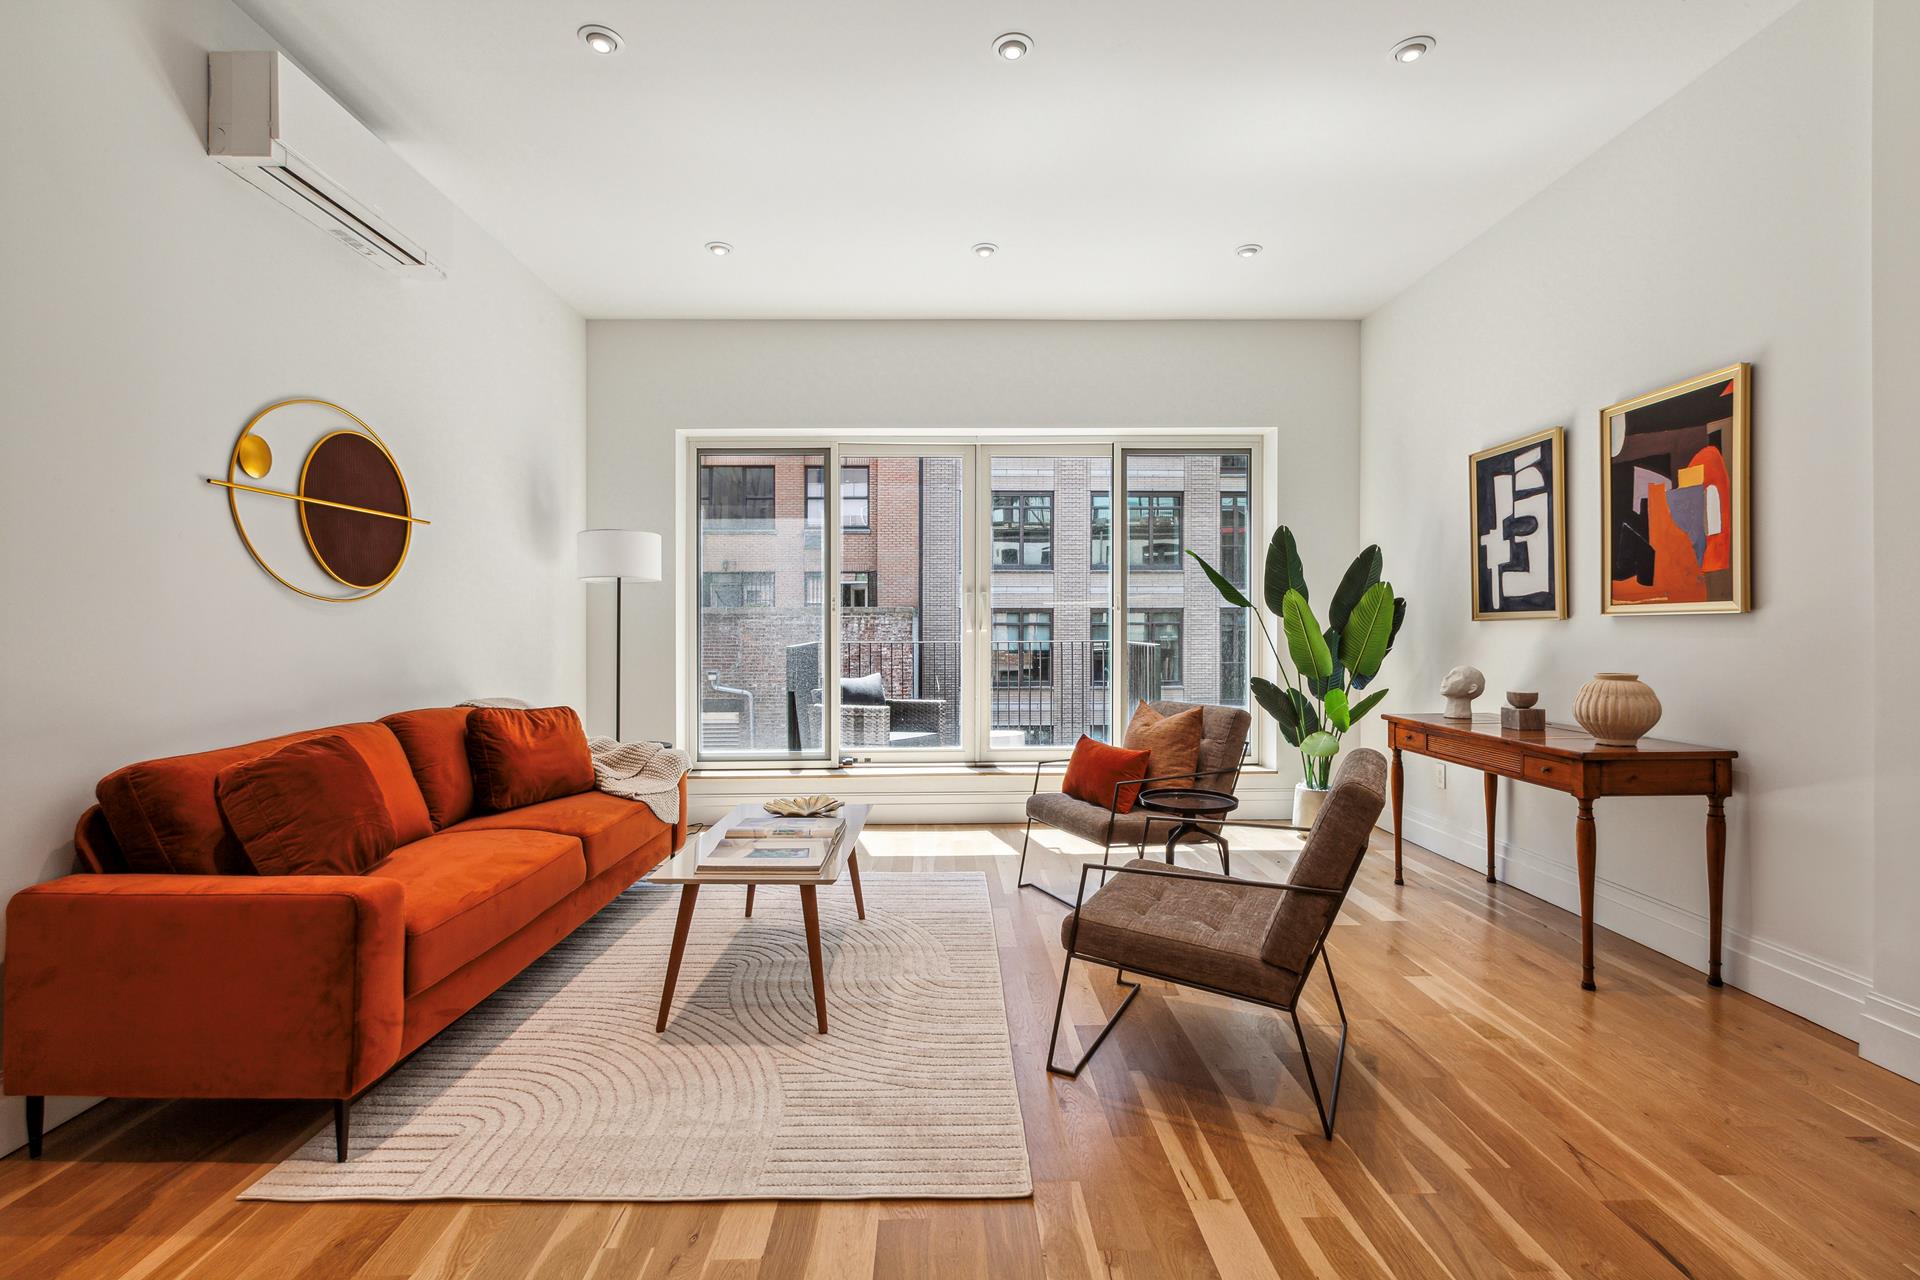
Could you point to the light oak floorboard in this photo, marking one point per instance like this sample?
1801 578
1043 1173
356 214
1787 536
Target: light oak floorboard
1495 1121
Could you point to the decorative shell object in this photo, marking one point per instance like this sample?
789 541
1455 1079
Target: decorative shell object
1616 708
802 806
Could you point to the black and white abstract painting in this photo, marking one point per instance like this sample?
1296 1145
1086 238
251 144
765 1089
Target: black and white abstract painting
1519 528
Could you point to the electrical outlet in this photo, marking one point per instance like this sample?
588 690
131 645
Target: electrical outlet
1440 776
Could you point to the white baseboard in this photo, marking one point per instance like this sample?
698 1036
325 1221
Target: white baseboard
1890 1034
13 1118
1804 984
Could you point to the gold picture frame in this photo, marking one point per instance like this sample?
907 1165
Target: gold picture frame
1490 528
1672 557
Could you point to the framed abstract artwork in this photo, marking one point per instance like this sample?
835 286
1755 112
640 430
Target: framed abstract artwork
1674 494
1520 528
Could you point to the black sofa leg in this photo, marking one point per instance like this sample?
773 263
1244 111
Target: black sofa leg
36 1125
340 1106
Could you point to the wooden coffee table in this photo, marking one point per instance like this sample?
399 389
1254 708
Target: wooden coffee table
680 869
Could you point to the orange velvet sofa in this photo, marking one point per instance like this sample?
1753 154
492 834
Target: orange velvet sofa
168 969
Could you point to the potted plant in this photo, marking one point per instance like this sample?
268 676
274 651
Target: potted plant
1324 669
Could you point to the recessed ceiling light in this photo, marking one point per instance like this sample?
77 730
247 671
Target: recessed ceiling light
719 248
985 249
1414 48
1248 251
600 39
1013 46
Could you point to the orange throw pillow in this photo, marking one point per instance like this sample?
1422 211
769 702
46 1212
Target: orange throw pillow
311 808
1173 741
1097 768
522 757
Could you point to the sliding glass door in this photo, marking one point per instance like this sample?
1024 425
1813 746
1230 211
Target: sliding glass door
970 601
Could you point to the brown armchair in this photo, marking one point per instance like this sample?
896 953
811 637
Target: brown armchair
1223 743
1253 940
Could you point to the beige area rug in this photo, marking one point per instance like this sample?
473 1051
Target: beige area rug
558 1088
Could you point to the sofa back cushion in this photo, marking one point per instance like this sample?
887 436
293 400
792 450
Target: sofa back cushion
165 814
522 757
310 808
435 740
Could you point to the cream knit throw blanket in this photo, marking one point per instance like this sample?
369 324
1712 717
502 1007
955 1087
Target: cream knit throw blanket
643 771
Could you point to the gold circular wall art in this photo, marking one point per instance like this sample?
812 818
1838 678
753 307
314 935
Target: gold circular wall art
355 515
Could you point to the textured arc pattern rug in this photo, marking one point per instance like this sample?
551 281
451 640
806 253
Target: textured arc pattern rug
558 1088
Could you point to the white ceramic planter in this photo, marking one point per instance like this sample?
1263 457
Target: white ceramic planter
1306 804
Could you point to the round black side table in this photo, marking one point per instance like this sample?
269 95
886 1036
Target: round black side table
1192 805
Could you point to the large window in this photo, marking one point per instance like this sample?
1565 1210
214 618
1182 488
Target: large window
1100 532
734 493
1160 628
1022 647
1153 530
1022 530
1233 538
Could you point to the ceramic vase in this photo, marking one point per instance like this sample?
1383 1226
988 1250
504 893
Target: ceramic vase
1306 803
1616 708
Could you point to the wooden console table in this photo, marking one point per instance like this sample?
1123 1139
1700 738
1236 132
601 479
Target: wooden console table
1566 759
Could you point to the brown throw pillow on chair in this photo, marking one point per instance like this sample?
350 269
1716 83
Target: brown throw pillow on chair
1172 742
310 808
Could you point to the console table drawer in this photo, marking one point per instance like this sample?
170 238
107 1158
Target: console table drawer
1492 757
1552 773
1411 739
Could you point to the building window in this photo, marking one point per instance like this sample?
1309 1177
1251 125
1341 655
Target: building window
1159 627
816 497
1233 538
1235 464
816 587
1233 657
732 590
1100 532
854 513
1153 530
1022 647
858 590
1022 530
742 494
1100 636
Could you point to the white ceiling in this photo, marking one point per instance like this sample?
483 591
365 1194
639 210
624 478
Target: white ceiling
853 150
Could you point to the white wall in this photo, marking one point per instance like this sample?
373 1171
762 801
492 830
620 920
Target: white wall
1890 1031
152 303
646 379
1732 223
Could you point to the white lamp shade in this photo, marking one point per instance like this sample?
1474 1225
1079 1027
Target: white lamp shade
607 554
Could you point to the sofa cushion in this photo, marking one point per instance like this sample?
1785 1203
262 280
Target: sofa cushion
309 808
165 815
1187 929
523 756
863 691
435 740
1097 767
607 827
468 891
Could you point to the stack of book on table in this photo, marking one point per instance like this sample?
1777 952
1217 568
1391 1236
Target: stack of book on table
772 847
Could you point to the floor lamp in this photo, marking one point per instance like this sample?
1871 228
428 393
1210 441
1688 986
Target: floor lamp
619 556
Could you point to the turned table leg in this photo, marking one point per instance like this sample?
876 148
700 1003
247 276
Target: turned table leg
810 911
1490 784
1399 795
1584 845
689 893
1716 881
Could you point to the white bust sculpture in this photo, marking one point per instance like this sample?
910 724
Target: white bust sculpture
1460 688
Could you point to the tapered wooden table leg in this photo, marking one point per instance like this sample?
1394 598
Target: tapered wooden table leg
750 889
688 894
1399 794
810 911
1585 842
1490 783
853 869
1716 881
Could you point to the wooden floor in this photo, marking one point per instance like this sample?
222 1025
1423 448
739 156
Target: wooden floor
1496 1121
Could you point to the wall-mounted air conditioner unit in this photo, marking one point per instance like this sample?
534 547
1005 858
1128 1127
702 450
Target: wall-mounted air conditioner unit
277 130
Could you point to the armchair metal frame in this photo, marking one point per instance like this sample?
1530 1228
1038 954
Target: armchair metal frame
1114 814
1326 1108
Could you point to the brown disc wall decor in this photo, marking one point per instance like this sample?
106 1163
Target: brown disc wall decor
354 510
